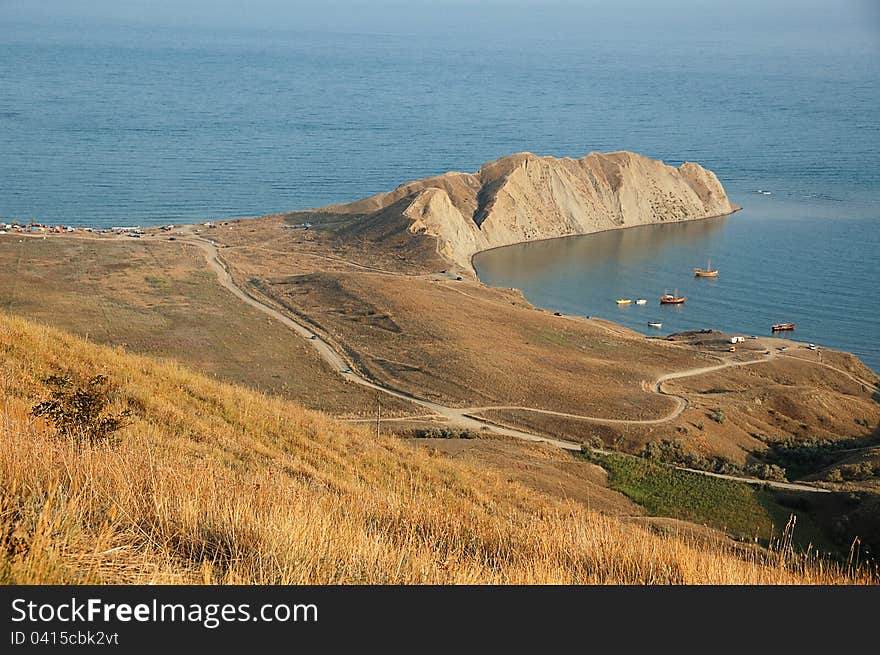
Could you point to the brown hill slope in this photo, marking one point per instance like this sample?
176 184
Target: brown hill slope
160 301
524 197
212 482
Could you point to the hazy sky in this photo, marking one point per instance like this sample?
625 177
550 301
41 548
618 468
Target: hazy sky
467 16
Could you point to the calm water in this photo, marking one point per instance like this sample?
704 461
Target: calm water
106 124
777 264
101 125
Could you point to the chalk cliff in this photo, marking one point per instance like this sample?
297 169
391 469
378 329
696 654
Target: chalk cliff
525 197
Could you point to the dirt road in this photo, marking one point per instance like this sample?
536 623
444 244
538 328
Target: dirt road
462 417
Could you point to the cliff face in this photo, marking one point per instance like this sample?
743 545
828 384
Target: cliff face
524 197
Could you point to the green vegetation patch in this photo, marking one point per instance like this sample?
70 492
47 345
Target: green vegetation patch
739 509
445 432
157 283
666 491
802 457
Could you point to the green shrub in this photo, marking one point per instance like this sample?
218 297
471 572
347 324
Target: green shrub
834 475
592 443
717 415
860 471
801 456
766 471
669 451
79 410
445 432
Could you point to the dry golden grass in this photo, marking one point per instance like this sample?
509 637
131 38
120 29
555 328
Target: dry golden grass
211 482
438 338
159 298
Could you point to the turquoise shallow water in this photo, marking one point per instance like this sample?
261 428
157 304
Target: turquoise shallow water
104 124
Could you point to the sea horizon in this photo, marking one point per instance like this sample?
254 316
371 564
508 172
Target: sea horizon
143 123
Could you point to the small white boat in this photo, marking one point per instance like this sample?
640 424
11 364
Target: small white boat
655 324
641 301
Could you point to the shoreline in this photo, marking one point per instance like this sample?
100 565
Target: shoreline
657 334
98 234
736 208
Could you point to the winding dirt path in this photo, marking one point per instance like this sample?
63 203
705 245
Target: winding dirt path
463 417
854 378
681 401
341 364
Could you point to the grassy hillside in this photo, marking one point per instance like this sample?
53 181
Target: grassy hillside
211 482
161 300
737 508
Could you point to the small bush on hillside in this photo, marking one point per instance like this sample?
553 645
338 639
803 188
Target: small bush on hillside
669 451
801 456
766 471
834 475
717 415
666 450
860 471
592 443
79 411
445 433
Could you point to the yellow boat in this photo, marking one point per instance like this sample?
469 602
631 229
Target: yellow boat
706 272
623 301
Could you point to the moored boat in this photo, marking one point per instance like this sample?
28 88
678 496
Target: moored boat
706 272
655 324
779 327
623 301
641 301
672 299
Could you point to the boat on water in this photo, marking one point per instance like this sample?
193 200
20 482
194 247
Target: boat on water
706 272
780 327
655 324
623 301
672 299
641 301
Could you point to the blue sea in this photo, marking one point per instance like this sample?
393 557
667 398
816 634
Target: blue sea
105 123
778 262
